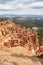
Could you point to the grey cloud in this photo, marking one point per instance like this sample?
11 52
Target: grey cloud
5 1
11 9
38 0
20 1
4 10
29 1
26 1
32 1
7 9
36 7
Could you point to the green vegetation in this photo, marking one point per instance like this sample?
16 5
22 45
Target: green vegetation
29 23
40 34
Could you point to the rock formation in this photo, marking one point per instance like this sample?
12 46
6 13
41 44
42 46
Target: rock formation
18 45
12 35
42 42
17 56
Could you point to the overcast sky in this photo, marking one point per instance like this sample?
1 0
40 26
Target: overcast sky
21 7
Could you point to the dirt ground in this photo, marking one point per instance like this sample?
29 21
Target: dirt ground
17 56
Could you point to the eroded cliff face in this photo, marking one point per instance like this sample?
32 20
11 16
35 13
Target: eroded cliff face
42 42
12 35
19 45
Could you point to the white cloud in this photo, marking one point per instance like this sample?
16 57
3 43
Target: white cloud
2 6
37 4
18 7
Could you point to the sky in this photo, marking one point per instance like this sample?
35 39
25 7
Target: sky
21 7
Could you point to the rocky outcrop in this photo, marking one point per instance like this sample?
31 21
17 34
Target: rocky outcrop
40 51
42 42
18 45
17 56
13 35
